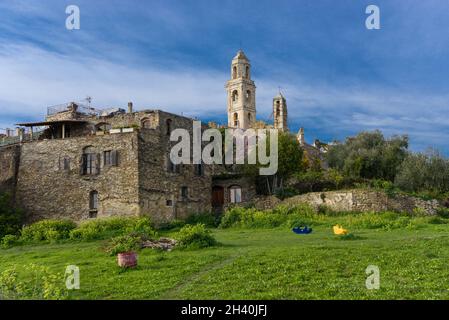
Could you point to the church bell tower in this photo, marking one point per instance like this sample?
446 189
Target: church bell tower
280 112
241 91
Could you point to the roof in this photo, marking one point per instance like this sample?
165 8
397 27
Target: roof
48 123
240 56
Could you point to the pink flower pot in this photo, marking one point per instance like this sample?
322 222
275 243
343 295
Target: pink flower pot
127 259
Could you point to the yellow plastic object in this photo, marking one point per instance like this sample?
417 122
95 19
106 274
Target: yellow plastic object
339 230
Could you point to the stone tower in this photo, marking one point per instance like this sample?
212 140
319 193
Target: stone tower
280 112
241 92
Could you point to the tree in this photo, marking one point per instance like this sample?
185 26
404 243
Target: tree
290 162
428 171
369 155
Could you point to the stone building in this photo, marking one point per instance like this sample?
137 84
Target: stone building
82 163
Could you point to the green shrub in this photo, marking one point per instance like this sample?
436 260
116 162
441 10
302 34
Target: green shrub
10 218
205 218
443 213
195 236
48 230
170 225
126 243
110 227
42 285
9 240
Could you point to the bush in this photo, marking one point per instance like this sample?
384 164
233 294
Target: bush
9 241
43 284
49 230
10 219
443 213
126 243
206 218
109 227
170 225
195 236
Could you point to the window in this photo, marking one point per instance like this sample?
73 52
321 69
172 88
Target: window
89 164
184 193
247 72
249 117
173 168
236 120
235 194
168 123
93 204
146 123
248 95
110 158
234 72
169 203
103 126
107 158
235 96
64 164
199 169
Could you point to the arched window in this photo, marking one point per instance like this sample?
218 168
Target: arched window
93 204
236 119
248 95
235 194
234 72
249 117
146 123
278 108
168 126
103 126
247 72
235 96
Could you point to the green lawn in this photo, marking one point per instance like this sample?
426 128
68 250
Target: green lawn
260 264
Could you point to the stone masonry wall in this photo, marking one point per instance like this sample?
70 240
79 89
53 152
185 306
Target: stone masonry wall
46 190
160 190
364 201
9 161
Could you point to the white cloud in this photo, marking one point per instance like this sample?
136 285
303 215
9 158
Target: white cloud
32 79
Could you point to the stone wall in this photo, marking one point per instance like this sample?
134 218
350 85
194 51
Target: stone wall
46 190
9 164
160 189
358 200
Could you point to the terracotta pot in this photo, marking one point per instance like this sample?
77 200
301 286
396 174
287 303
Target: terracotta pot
127 259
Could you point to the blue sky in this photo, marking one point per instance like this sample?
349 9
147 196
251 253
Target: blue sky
338 77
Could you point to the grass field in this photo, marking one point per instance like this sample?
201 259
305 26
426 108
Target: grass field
260 264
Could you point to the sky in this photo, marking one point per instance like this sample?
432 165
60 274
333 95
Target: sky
338 77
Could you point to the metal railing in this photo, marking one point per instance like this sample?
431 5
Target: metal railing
81 108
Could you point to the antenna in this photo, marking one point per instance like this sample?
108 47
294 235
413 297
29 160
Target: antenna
89 100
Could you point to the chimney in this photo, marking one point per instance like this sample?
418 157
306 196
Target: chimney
130 107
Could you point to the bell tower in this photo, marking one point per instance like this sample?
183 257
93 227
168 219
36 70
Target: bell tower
241 92
280 112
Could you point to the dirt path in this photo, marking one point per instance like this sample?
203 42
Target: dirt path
175 292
